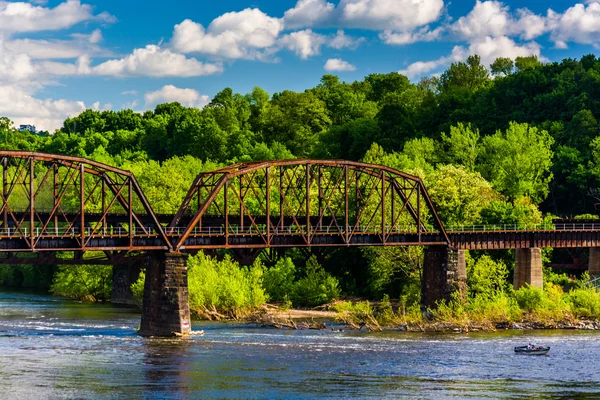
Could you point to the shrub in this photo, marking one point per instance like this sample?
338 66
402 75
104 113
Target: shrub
316 288
585 303
89 282
278 280
137 288
224 285
530 298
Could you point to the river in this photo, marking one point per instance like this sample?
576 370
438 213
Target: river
51 348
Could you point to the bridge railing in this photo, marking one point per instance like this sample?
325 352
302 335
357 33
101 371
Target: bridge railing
524 227
75 232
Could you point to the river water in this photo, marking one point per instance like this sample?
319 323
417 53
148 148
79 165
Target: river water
55 348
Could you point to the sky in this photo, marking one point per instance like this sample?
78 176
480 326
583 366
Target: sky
60 57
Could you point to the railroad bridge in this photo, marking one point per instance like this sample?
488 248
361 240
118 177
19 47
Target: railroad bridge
61 209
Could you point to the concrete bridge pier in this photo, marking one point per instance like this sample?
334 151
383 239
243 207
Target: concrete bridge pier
166 308
444 272
123 277
594 262
528 268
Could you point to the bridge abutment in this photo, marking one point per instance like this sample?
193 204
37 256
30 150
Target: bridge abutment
123 277
166 308
528 268
444 272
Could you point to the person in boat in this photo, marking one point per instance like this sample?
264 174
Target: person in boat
529 346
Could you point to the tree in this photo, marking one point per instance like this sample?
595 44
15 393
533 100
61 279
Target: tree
502 66
517 162
459 195
462 145
523 63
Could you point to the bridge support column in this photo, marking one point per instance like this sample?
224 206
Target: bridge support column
166 308
444 272
528 268
594 262
123 277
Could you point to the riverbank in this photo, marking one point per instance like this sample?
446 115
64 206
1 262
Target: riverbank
325 318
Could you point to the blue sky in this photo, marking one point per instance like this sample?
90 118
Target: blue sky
59 57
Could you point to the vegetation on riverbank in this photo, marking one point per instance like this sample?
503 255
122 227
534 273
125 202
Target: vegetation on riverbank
510 147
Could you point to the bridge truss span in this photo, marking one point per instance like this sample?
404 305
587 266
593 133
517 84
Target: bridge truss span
299 203
62 203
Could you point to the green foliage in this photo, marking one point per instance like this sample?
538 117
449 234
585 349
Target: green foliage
89 282
279 280
137 288
530 298
485 277
585 303
316 287
224 285
517 162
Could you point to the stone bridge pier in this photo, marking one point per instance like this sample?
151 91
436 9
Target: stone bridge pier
528 268
444 272
166 308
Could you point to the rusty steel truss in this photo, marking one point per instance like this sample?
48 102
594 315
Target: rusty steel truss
62 203
298 203
99 214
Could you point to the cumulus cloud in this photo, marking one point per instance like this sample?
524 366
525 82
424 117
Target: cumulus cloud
80 45
155 62
19 104
398 15
170 93
580 24
307 43
493 18
403 38
488 48
308 13
233 35
304 43
337 64
26 17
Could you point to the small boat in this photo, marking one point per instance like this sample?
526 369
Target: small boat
532 350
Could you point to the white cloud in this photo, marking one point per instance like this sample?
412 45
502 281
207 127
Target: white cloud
308 13
25 17
14 67
307 43
129 92
304 43
341 40
19 104
151 61
60 49
170 93
245 34
488 48
403 38
580 24
493 18
398 15
336 64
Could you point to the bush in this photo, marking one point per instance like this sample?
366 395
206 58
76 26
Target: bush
224 286
585 303
278 280
84 282
530 298
316 288
137 288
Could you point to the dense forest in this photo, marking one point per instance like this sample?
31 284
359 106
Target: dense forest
515 142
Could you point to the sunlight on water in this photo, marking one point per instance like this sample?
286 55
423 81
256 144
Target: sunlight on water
53 348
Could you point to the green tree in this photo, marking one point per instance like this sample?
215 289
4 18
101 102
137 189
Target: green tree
517 162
